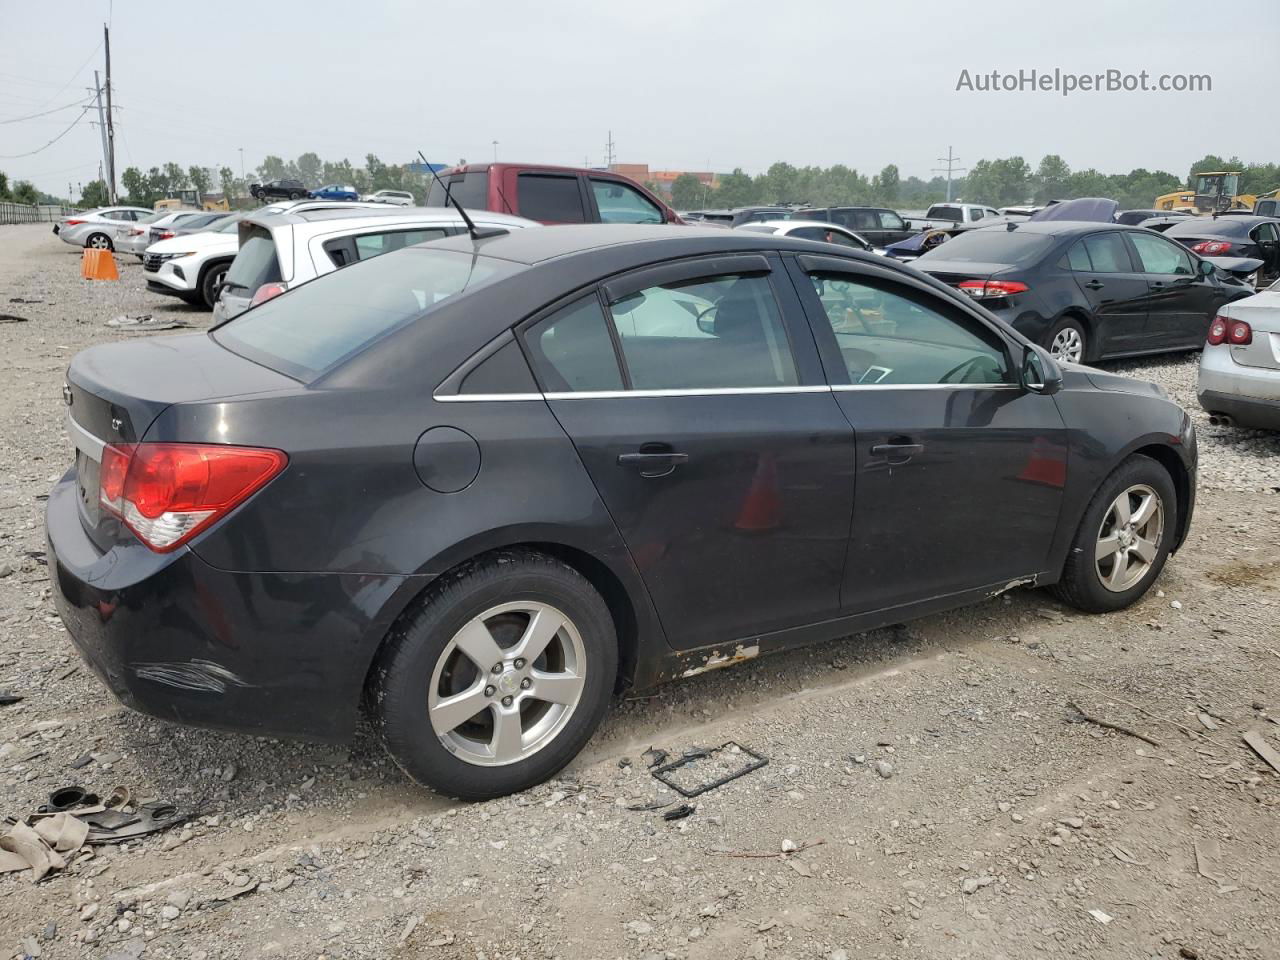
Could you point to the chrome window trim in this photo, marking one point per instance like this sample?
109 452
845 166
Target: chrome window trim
711 392
83 440
686 392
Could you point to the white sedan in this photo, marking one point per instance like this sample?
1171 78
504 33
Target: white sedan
1240 366
811 230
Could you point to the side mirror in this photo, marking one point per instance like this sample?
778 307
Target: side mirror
1206 268
1040 374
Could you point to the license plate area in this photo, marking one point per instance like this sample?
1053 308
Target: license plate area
87 474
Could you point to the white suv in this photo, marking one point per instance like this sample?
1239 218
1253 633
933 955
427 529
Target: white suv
280 251
193 265
401 198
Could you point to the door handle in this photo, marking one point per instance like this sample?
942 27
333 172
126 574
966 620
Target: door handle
653 464
897 452
1095 284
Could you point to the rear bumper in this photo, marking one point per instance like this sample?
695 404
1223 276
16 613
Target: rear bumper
266 653
1245 411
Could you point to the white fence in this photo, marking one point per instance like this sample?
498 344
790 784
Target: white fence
33 213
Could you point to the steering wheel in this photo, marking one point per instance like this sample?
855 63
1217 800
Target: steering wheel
959 374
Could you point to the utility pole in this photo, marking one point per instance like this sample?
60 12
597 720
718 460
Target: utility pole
608 151
241 149
950 160
102 127
111 130
495 151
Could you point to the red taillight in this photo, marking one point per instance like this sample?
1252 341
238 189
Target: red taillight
1212 248
980 289
166 234
1226 330
72 223
266 292
166 493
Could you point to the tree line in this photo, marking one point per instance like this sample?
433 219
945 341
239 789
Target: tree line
1001 182
1005 181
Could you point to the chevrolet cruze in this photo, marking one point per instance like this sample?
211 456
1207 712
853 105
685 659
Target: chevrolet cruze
477 485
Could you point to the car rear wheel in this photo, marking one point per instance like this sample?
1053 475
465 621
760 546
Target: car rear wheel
98 241
1068 341
1124 538
209 285
498 677
295 195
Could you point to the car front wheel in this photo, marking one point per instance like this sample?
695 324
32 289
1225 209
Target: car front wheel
1123 540
209 285
498 677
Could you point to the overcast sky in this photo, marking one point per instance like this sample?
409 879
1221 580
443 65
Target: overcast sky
682 85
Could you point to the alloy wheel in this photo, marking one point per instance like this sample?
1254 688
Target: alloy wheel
1067 345
1129 538
99 242
507 683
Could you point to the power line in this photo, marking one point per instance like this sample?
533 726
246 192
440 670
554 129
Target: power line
32 116
15 156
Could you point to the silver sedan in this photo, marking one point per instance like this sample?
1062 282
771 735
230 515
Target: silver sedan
1240 366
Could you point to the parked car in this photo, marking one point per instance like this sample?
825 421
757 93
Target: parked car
476 485
279 251
551 194
942 216
399 198
100 228
743 215
1233 236
879 225
811 230
193 266
1136 218
136 239
710 218
1023 211
1086 291
284 189
1239 380
335 191
1160 224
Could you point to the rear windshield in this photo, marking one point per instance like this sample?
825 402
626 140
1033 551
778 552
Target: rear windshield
991 246
320 324
469 189
944 213
255 262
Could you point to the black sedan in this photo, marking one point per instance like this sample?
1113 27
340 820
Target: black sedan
479 484
1231 235
1086 291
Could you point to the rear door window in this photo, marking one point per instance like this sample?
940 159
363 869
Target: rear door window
1107 253
470 189
572 350
1078 258
550 198
891 221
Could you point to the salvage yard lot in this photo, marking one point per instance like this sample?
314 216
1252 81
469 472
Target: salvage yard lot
908 766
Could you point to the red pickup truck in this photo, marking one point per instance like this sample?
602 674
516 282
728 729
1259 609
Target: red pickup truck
551 194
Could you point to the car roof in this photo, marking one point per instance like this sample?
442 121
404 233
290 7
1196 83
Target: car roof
1220 225
357 217
537 246
789 224
1056 228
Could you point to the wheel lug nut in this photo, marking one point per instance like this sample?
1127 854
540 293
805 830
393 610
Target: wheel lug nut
497 668
519 664
526 683
506 701
489 691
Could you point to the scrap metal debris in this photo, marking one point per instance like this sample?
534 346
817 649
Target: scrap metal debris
654 757
11 318
700 770
679 813
147 322
1258 743
8 698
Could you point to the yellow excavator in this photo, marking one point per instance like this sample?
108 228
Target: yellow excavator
1216 192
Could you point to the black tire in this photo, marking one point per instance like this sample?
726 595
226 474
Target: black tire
295 195
1064 330
259 195
209 283
99 241
1081 585
402 677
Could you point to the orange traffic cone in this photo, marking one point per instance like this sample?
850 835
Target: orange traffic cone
98 265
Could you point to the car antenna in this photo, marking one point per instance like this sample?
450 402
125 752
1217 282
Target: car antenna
476 233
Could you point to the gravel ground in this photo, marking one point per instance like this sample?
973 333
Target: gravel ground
929 793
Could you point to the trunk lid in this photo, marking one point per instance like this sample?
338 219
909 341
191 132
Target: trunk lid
952 272
1262 313
115 391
